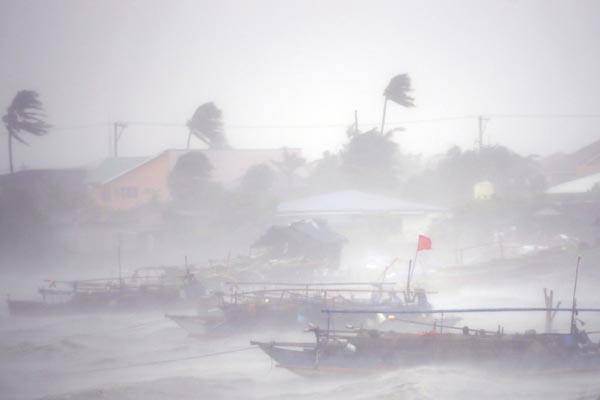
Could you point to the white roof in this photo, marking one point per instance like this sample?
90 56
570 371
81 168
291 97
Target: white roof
351 202
576 186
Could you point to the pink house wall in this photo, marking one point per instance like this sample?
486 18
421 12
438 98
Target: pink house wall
149 181
142 185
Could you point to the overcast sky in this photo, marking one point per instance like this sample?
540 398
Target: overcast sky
291 73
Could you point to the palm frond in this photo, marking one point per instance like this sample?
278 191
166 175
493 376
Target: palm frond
207 125
398 90
25 115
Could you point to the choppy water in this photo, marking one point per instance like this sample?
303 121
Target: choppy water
95 357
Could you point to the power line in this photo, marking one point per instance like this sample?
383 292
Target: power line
543 116
340 125
77 127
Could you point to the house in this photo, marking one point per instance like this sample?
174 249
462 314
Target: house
64 181
352 210
36 205
52 191
127 182
483 190
561 167
576 188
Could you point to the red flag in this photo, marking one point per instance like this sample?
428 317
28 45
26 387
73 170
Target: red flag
424 243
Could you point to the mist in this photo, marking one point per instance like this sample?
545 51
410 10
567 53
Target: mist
276 199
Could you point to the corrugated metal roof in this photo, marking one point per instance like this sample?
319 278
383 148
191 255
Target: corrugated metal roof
576 186
112 168
351 202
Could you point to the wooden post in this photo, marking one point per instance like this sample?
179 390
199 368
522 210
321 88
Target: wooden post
574 304
407 293
119 261
549 300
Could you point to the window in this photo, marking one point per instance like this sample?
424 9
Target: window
129 192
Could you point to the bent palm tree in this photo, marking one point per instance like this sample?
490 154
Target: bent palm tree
398 91
24 115
207 125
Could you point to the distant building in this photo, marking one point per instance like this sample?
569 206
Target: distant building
60 188
128 182
579 187
355 210
309 239
483 190
562 167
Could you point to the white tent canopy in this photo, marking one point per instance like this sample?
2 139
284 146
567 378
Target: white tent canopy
576 186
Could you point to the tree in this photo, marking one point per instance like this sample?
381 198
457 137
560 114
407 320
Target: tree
254 202
370 159
257 179
325 173
207 125
190 178
288 165
24 115
397 91
513 176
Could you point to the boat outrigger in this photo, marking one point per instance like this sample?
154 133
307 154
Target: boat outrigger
361 350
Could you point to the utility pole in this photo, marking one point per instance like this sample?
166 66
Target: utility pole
119 261
118 128
481 121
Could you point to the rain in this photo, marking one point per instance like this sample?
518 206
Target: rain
299 200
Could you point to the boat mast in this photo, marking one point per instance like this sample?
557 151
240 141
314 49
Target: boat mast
407 293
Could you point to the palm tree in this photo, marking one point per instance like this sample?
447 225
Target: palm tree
289 163
207 125
24 115
398 91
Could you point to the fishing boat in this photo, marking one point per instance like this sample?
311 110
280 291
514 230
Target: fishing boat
291 305
371 350
146 288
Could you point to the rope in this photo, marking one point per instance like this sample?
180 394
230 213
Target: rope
151 322
207 355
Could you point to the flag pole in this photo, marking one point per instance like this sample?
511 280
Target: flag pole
407 296
414 265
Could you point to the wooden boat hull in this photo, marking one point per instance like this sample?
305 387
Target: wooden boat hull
95 302
233 318
365 354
